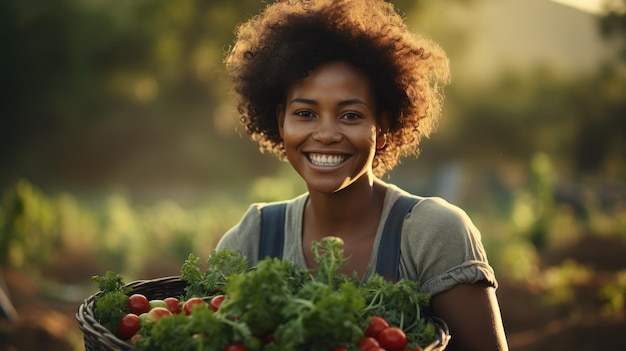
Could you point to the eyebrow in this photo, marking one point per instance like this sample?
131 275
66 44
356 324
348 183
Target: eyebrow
341 103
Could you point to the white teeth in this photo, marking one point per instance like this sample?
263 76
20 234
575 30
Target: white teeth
326 160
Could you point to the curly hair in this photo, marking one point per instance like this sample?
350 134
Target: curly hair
292 37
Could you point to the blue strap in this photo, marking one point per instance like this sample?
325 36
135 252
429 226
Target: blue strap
272 231
273 226
388 260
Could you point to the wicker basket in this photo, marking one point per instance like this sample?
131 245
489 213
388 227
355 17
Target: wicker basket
98 338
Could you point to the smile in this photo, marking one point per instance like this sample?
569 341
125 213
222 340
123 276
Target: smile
326 159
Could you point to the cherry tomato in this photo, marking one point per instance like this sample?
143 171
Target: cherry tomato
188 305
138 304
270 339
377 324
216 301
129 325
173 305
392 339
367 343
157 313
134 338
157 303
236 347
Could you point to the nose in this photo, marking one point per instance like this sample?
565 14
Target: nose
327 131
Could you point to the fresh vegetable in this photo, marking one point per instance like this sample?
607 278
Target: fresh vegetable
112 303
129 325
212 281
157 313
138 304
392 339
367 343
236 347
157 303
376 325
216 302
188 305
173 304
278 306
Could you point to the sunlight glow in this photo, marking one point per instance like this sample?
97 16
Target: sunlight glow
596 7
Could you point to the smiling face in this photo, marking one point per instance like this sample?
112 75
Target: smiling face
329 127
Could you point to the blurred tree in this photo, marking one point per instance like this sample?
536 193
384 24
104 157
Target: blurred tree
613 28
126 90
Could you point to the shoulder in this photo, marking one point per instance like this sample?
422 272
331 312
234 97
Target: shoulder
244 235
439 213
432 213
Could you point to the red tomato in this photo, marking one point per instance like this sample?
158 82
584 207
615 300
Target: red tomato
340 348
367 343
377 324
134 338
187 306
138 304
129 325
216 301
157 313
270 339
236 347
392 339
173 305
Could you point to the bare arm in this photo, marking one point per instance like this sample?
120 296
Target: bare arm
473 316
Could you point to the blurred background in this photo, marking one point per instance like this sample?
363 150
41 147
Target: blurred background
120 149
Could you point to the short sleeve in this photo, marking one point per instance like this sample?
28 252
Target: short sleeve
442 248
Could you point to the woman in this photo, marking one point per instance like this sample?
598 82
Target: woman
342 90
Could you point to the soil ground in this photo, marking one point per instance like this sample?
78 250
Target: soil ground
46 322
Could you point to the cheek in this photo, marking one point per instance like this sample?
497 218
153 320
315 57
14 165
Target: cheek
292 137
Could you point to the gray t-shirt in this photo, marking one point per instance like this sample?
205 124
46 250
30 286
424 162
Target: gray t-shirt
440 246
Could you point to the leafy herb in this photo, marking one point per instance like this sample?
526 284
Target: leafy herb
258 296
221 264
321 318
112 303
328 254
401 304
298 309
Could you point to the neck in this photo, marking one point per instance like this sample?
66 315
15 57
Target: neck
342 212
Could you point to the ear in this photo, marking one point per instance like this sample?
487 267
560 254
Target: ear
280 118
382 129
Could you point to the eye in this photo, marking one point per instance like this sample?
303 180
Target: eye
304 114
351 116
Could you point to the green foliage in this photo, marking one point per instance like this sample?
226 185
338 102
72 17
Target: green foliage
614 295
559 282
401 305
112 303
256 296
313 310
29 227
213 280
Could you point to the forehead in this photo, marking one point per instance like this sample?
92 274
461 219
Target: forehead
336 78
